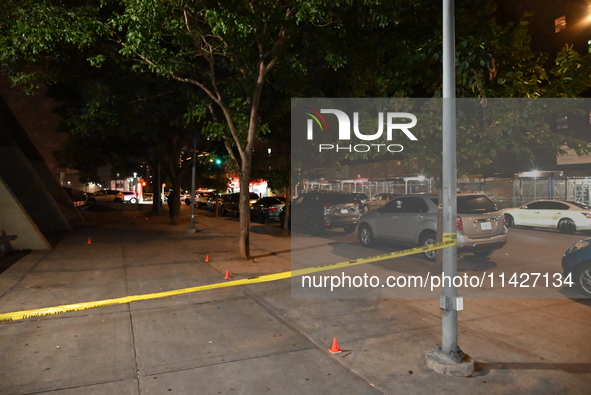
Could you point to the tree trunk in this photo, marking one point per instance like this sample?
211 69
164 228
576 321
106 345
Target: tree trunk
174 201
244 206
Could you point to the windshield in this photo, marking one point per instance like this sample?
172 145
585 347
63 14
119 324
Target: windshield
475 204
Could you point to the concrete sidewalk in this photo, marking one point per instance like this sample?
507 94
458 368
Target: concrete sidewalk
256 338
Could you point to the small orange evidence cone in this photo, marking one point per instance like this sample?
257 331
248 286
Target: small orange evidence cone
335 347
227 276
207 258
89 241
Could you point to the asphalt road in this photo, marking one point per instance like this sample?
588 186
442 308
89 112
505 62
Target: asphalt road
528 266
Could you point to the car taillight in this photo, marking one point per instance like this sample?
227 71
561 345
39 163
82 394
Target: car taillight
272 209
587 215
459 223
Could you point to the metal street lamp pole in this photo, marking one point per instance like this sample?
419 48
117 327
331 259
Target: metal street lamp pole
450 255
449 359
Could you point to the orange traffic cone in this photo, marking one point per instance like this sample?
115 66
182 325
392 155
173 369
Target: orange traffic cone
335 347
207 258
227 276
89 241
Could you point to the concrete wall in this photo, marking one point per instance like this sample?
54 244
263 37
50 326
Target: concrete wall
14 220
25 185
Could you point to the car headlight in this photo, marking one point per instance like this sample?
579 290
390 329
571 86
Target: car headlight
577 246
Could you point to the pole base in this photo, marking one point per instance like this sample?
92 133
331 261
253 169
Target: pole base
441 363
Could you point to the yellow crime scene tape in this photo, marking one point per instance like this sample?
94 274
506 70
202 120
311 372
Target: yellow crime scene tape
449 239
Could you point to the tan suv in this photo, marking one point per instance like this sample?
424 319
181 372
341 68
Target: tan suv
412 220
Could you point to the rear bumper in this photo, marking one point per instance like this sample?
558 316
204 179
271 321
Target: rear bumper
340 222
490 243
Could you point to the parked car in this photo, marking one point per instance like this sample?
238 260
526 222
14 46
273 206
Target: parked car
186 197
147 196
566 216
230 203
377 201
576 263
200 198
267 208
214 199
412 220
130 197
320 210
106 195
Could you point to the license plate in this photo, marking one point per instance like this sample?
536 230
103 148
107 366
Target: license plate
485 226
344 211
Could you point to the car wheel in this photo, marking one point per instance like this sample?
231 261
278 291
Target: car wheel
133 200
263 218
365 208
567 225
583 277
483 254
509 222
366 236
350 228
427 239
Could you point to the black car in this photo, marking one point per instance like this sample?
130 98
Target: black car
319 210
576 266
231 202
267 208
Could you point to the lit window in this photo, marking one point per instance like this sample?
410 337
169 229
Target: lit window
589 46
560 24
561 122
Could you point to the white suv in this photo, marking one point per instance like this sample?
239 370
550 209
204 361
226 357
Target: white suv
106 195
130 197
412 219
